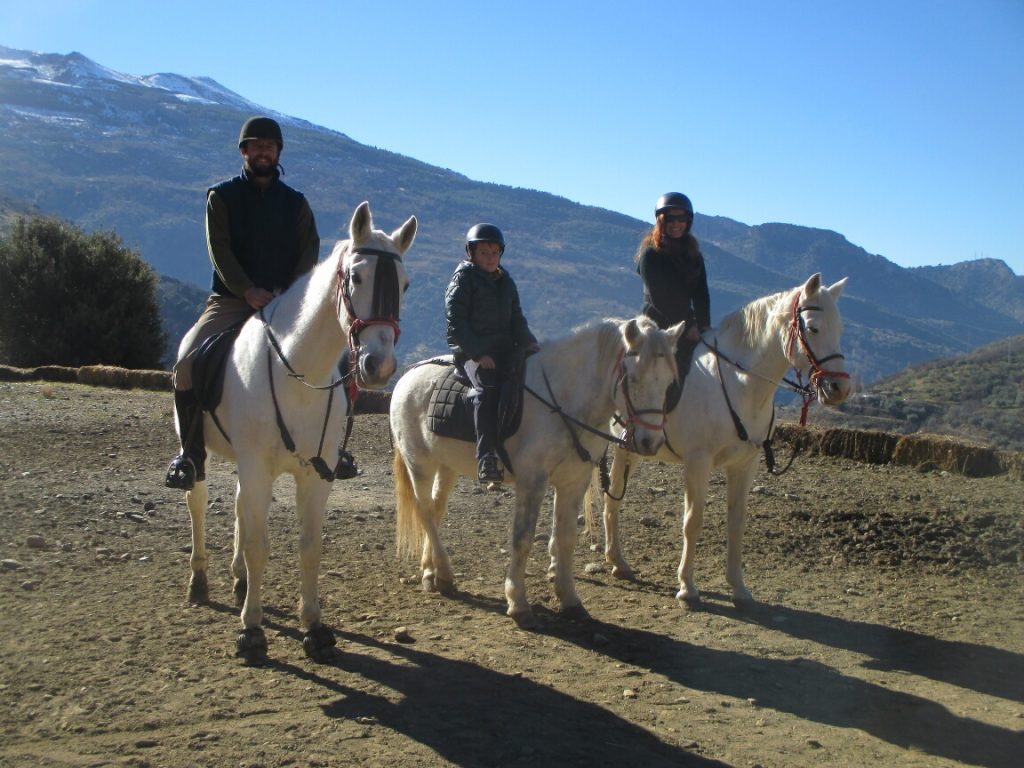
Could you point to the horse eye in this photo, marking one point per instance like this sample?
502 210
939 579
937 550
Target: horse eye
356 278
406 288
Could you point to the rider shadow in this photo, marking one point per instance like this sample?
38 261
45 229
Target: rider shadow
804 688
474 716
991 671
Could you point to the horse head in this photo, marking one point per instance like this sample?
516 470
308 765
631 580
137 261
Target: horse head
371 284
814 346
646 369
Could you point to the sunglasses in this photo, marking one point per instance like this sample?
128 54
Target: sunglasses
674 217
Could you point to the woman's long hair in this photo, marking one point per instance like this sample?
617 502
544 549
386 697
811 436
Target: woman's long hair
655 238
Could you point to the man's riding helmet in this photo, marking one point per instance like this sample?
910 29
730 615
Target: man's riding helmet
484 233
674 200
261 128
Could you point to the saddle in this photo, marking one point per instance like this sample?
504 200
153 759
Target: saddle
209 365
450 414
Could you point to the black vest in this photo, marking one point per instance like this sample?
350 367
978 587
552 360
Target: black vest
264 227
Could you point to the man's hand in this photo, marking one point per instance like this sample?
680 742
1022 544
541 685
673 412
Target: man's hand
486 361
257 298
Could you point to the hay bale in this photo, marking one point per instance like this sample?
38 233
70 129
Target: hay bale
870 447
10 373
156 380
103 376
59 373
935 452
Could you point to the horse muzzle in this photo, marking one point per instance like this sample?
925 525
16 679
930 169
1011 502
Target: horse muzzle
833 388
375 368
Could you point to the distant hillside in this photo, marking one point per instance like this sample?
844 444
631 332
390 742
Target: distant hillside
979 397
107 150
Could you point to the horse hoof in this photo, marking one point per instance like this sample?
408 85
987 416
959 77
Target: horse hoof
744 602
525 619
241 589
251 647
428 583
198 590
689 600
445 587
623 572
576 612
318 643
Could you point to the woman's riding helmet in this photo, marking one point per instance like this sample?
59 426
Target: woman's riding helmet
674 200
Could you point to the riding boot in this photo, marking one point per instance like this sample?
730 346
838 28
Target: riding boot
485 419
189 465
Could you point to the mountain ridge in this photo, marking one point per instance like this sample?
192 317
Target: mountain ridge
80 147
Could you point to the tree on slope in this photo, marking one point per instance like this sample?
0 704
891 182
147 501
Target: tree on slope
71 298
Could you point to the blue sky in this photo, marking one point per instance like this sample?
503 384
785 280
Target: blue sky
899 124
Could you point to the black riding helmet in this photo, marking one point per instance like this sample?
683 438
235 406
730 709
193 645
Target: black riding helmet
674 200
483 233
261 128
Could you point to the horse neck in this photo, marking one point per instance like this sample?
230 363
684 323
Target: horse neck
306 323
581 370
756 337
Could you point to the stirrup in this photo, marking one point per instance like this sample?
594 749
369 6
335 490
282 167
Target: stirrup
346 468
181 474
489 471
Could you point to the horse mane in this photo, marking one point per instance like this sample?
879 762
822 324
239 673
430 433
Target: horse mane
607 330
749 325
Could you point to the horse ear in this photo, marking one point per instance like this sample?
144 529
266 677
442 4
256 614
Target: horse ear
404 235
837 288
813 284
361 226
631 332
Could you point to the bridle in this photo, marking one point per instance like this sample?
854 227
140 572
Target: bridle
386 311
386 307
634 416
798 333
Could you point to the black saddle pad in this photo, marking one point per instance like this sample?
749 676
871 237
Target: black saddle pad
450 413
209 365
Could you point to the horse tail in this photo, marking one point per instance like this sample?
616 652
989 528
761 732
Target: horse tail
408 531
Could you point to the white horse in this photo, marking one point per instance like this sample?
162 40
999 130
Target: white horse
277 416
726 412
615 365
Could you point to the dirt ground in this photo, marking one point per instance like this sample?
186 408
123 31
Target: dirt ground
888 630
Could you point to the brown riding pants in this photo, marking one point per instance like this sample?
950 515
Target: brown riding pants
221 313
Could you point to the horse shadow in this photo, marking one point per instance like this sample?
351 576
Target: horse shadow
474 716
981 668
811 690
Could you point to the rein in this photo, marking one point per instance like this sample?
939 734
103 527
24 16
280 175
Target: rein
386 302
570 421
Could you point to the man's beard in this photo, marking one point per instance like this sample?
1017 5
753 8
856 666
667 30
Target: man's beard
264 170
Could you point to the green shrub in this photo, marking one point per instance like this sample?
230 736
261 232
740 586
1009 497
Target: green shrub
71 298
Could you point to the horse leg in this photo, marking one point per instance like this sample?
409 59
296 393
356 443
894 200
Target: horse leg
310 501
198 585
696 473
529 495
739 479
442 575
238 586
252 504
563 544
612 502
